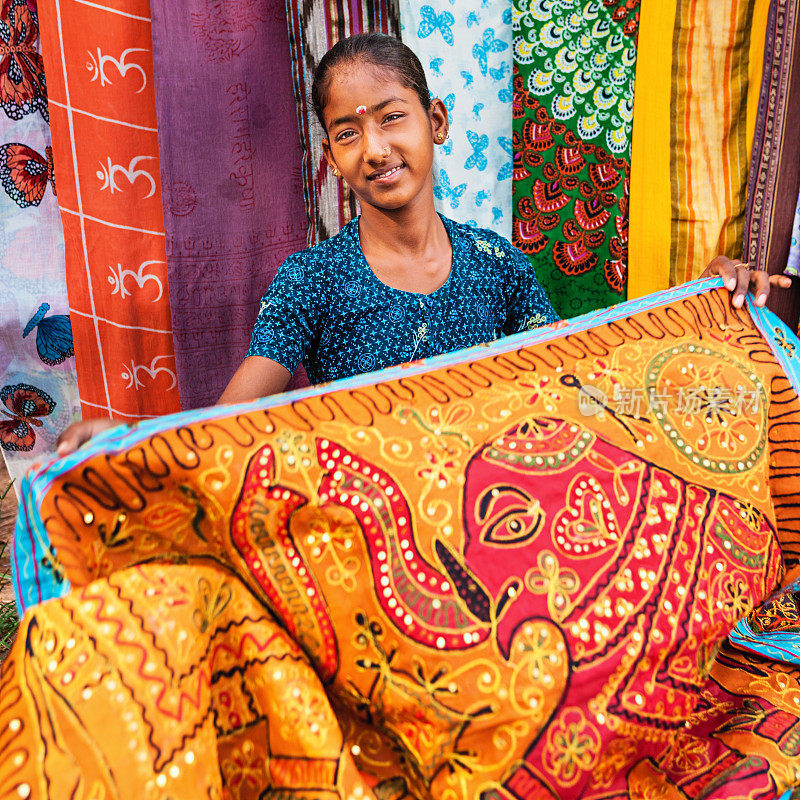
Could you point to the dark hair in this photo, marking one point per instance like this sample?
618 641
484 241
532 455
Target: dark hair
377 49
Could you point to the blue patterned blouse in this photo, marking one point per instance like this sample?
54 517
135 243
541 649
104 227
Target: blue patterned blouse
326 308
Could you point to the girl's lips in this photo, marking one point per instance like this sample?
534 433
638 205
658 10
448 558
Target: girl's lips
385 176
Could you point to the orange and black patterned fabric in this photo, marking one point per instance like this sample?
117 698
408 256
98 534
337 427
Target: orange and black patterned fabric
505 573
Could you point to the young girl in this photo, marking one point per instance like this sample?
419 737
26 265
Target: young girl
400 282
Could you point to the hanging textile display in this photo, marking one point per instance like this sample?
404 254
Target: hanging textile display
466 53
651 174
709 133
234 210
699 65
793 263
510 568
573 107
314 27
38 387
775 165
98 61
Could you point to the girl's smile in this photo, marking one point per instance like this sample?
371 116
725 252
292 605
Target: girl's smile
387 175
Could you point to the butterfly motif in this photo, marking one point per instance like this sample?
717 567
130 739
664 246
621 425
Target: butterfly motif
489 44
53 335
507 169
22 85
450 102
436 65
447 147
431 21
472 19
468 79
25 404
444 191
497 215
476 111
24 173
481 197
498 73
479 144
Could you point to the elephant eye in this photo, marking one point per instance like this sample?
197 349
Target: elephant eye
509 516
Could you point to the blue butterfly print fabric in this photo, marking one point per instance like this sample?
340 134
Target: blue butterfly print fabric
53 335
467 46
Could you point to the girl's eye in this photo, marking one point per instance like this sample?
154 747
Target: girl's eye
340 137
393 117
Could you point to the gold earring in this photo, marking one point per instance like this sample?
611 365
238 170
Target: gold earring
440 137
336 173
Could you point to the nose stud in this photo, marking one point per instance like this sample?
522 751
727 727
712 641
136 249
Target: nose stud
387 151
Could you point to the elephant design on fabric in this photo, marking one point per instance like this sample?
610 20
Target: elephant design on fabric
577 555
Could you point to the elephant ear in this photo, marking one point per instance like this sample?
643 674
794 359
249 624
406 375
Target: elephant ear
261 535
541 445
416 596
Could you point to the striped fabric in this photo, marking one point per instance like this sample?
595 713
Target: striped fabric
687 169
314 27
709 158
105 147
775 166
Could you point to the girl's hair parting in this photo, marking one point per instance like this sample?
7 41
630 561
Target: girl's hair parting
377 49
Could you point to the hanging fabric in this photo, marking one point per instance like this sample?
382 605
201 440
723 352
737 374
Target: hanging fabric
793 262
573 108
231 176
651 173
99 69
709 132
774 181
699 68
314 27
465 50
38 387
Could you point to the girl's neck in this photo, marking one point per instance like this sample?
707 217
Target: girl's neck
407 249
408 231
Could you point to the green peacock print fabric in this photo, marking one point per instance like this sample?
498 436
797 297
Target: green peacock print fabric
574 70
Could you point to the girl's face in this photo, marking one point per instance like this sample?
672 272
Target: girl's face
380 137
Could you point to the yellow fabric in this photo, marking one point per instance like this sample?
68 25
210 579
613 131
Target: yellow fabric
650 212
709 158
758 35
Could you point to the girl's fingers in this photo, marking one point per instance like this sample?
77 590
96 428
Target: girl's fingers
738 278
81 432
760 282
743 277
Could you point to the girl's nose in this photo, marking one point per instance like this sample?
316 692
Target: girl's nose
375 147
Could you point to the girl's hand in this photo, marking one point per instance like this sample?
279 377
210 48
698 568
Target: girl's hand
80 432
739 278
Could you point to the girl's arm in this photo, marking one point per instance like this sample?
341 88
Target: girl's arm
256 377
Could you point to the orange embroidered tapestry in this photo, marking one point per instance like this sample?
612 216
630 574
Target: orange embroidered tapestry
504 573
